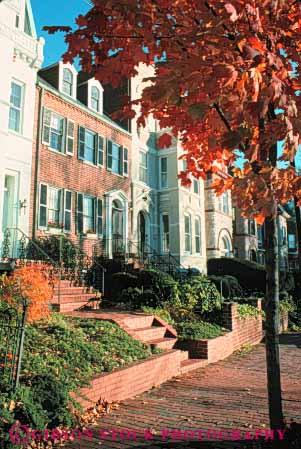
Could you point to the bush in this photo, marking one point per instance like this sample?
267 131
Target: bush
250 275
248 311
31 283
200 295
230 286
199 330
161 313
163 286
122 281
51 246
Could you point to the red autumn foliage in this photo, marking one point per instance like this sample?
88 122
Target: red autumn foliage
224 81
32 283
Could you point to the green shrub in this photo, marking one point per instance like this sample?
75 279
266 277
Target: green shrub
229 285
161 313
199 330
287 305
164 287
250 275
122 281
248 311
52 247
200 295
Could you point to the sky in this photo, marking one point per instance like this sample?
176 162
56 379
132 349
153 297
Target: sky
55 12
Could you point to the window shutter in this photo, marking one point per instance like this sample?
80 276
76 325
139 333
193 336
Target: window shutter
46 126
95 142
125 162
79 213
43 213
99 227
70 137
100 151
109 155
67 210
120 160
81 142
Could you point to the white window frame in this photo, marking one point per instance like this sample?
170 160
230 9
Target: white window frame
199 235
187 251
163 174
70 84
196 182
165 243
92 98
45 125
19 109
62 207
143 167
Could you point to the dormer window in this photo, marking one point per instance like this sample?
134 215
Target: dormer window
67 82
95 98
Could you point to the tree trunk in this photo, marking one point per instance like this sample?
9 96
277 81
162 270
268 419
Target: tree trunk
272 325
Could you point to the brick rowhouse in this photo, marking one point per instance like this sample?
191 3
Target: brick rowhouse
81 164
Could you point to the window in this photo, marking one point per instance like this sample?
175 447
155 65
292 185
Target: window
53 131
55 208
165 233
260 236
117 159
27 24
292 242
225 247
225 203
252 227
17 22
196 186
187 224
163 172
16 105
89 214
198 235
143 166
67 82
95 98
87 145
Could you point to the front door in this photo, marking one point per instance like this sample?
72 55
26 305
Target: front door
142 232
10 210
117 228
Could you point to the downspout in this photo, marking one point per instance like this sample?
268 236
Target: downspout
37 165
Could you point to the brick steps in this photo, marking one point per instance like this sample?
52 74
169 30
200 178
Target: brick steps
163 343
72 290
150 333
69 306
69 296
72 298
192 364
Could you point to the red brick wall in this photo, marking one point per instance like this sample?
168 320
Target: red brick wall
242 331
64 171
126 383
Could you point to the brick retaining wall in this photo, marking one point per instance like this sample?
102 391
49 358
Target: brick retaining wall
125 383
242 331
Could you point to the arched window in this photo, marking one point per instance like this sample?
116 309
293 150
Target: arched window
198 247
187 226
225 246
95 98
67 82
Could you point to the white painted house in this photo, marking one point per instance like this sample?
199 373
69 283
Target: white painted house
21 57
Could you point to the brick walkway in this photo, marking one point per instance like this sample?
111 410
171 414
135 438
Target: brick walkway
226 395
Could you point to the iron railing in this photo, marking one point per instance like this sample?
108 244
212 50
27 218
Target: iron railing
12 332
18 248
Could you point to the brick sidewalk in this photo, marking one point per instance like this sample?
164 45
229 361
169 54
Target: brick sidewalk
226 395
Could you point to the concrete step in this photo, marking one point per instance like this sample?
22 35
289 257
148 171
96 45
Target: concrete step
64 299
150 333
163 343
192 364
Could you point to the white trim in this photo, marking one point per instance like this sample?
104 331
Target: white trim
69 66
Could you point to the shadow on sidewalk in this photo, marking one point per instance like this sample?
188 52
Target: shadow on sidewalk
293 339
